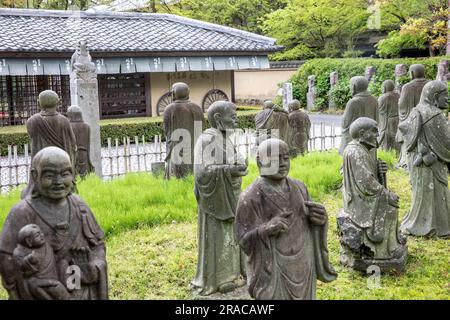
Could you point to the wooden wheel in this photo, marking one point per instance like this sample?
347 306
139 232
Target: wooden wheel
163 102
212 96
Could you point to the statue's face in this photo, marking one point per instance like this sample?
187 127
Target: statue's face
369 137
227 120
37 238
276 165
55 180
442 100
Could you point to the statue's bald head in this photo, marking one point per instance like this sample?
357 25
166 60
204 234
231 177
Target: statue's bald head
74 113
358 84
272 158
268 104
388 86
219 108
48 99
180 91
50 156
359 124
435 93
417 71
294 105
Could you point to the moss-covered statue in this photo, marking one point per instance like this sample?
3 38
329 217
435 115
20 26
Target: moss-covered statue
368 224
283 233
218 172
272 122
51 246
388 114
426 134
183 123
81 130
409 98
299 129
363 104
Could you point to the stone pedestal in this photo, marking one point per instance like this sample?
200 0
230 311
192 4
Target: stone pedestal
238 294
334 77
311 95
401 70
287 95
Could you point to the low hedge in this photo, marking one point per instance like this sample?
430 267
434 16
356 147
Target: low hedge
348 68
115 129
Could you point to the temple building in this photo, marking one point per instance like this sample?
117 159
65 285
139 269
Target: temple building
138 57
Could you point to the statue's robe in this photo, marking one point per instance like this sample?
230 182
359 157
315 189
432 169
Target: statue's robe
285 266
362 104
409 99
181 114
216 191
81 230
300 126
269 120
49 130
81 130
388 116
430 212
373 221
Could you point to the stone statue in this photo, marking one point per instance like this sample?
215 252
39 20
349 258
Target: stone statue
300 127
401 70
49 128
271 122
334 78
81 60
369 73
282 232
36 261
368 224
312 92
81 130
75 254
426 134
388 114
183 123
363 104
218 172
443 74
409 98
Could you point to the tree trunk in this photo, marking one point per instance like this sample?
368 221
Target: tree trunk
153 5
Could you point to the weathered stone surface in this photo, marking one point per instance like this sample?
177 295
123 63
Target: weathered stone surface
388 115
272 122
401 70
334 78
426 134
218 172
51 247
312 92
368 224
443 74
282 232
183 123
299 129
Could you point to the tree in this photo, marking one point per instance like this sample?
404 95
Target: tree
317 28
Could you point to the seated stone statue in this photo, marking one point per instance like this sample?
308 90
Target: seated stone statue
180 120
426 135
81 130
282 232
368 224
68 226
388 114
272 122
218 172
36 261
299 129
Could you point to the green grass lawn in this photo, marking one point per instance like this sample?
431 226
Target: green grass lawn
152 246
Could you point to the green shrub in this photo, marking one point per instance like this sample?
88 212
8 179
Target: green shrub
116 129
348 68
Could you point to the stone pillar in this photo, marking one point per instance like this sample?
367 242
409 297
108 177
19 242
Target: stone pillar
334 78
369 73
311 95
442 74
84 94
287 95
401 70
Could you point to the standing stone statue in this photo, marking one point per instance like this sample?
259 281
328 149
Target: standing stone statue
52 238
218 172
369 73
388 114
401 70
426 134
282 232
300 127
272 122
312 92
443 74
84 94
334 78
183 123
368 224
49 128
363 104
409 98
82 132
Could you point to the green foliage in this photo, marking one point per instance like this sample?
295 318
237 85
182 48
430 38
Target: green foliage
117 129
316 28
348 68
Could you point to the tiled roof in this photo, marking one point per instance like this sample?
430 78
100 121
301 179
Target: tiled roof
60 31
292 64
